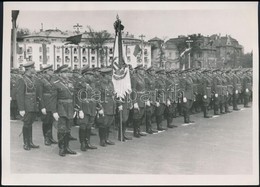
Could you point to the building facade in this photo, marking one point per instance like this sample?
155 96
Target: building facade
50 47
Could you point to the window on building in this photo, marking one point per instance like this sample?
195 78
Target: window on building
29 50
40 66
92 51
67 59
84 51
75 50
128 50
84 59
110 50
92 59
58 65
75 66
110 59
139 59
145 60
21 67
58 59
40 58
75 59
40 49
30 58
93 65
67 51
145 52
20 59
128 59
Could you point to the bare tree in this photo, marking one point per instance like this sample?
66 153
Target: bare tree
97 40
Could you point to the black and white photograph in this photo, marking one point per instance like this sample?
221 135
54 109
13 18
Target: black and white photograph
130 93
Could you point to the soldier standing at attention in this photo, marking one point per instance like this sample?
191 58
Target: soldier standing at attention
87 107
14 77
160 104
138 91
150 103
186 86
217 90
206 92
27 106
106 115
247 88
45 90
236 89
63 109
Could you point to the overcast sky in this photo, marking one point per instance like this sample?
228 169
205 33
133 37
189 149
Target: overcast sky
161 23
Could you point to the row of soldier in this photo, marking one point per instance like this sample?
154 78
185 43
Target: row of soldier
88 97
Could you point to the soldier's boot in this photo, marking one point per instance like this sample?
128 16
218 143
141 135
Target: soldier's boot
71 137
221 109
45 135
124 129
205 111
88 144
149 126
47 140
102 137
51 137
159 123
109 142
26 140
246 101
226 108
82 139
169 123
61 144
67 147
185 117
135 124
216 110
30 138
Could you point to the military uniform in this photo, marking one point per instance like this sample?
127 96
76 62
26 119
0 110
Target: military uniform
106 119
63 106
87 103
13 91
237 88
226 93
217 90
27 102
186 86
45 100
246 88
137 96
206 86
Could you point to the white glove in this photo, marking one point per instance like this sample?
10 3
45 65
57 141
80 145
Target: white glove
148 103
247 90
168 102
236 91
216 95
56 116
205 96
157 104
22 113
44 111
120 108
81 114
184 99
136 106
101 112
74 115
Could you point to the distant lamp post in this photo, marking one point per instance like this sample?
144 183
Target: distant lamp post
189 41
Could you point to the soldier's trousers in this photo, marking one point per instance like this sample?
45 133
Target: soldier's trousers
14 108
159 112
28 120
64 124
47 121
246 96
125 116
169 112
138 119
186 108
216 102
205 104
85 125
149 115
235 99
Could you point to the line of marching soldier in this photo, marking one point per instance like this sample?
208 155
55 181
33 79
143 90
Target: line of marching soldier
87 97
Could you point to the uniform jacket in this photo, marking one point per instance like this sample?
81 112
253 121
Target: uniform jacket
160 86
108 101
26 94
138 90
186 86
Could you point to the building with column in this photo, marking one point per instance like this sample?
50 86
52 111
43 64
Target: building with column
50 47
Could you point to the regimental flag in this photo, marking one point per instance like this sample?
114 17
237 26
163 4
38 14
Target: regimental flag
121 75
74 39
187 50
137 50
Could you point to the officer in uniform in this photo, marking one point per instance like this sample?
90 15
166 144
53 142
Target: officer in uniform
206 92
106 114
63 109
226 92
139 99
27 106
160 104
170 98
217 91
14 77
45 90
87 107
150 103
236 89
186 86
246 88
